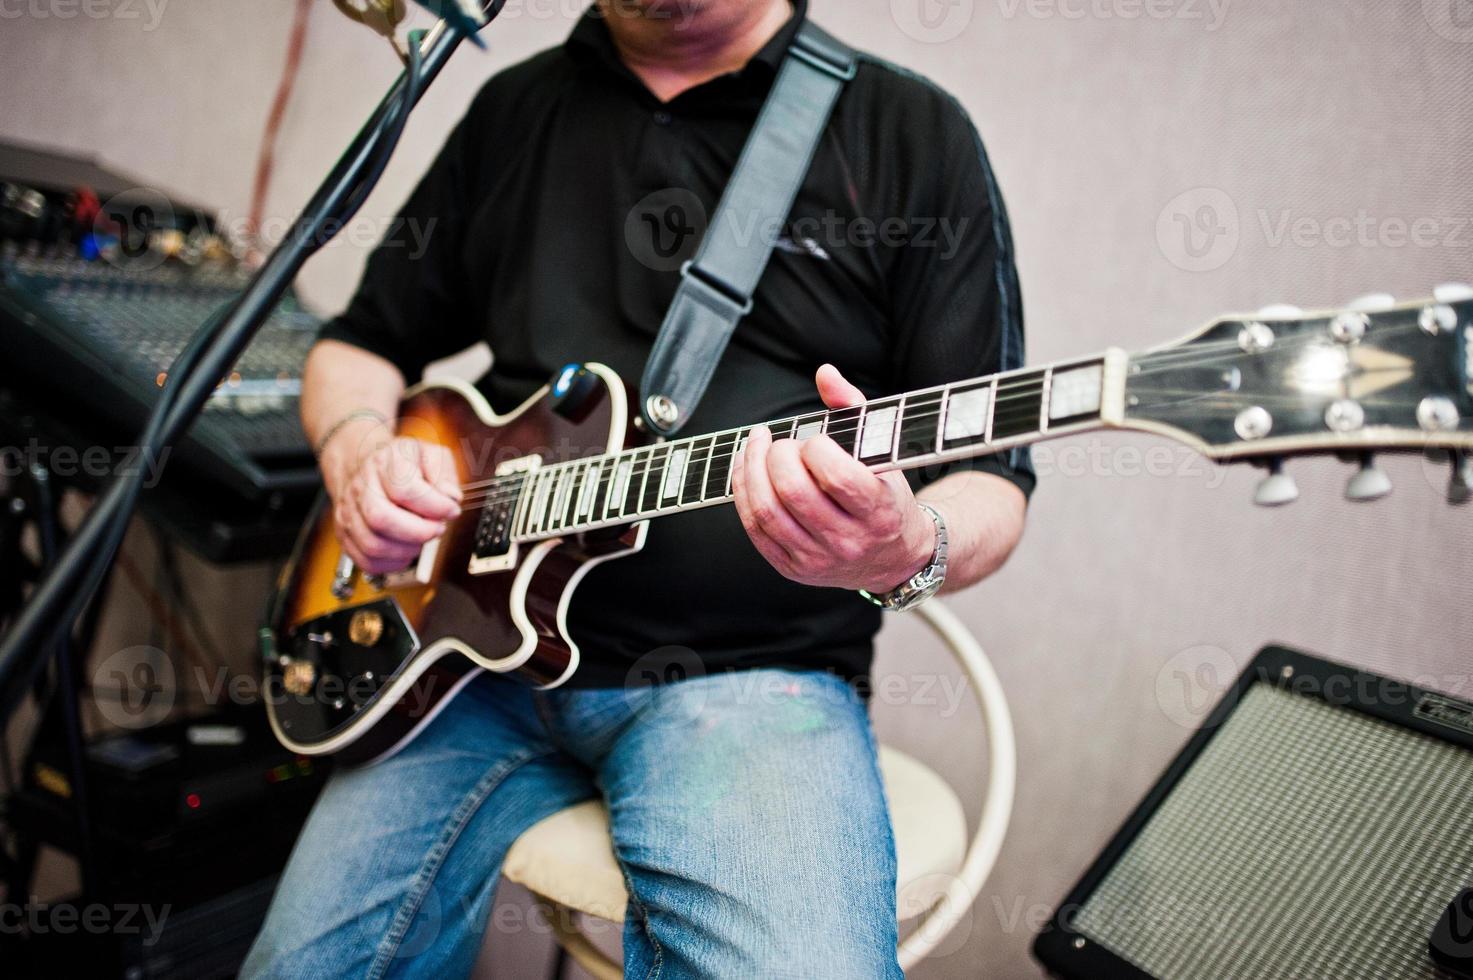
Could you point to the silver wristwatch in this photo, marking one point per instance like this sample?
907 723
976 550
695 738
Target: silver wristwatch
923 584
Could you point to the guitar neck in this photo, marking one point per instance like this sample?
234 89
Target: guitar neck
975 417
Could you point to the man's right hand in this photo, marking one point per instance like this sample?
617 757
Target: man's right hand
389 495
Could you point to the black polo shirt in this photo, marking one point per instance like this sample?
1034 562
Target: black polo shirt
557 216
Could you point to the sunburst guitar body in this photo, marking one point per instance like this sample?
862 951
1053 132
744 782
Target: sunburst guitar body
357 664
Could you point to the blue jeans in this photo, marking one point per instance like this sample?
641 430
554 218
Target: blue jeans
746 809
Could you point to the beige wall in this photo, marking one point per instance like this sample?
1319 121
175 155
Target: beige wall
1138 567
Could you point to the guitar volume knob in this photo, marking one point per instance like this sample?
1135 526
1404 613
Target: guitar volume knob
366 627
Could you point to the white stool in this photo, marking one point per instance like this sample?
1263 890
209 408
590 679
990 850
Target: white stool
568 859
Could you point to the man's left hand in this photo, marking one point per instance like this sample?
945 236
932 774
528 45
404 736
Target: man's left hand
820 517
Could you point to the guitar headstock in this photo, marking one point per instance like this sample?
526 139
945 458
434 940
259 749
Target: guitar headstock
1374 376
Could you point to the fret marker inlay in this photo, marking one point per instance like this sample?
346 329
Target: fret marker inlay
1076 391
622 473
966 413
675 473
590 488
879 432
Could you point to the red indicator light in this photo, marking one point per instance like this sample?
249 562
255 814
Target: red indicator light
192 801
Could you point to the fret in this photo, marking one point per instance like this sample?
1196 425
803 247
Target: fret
900 409
524 495
529 510
941 413
919 423
878 428
649 494
600 508
565 514
524 503
619 486
719 466
968 412
674 477
638 474
1048 380
588 491
696 468
568 512
843 427
564 475
991 408
1017 405
560 495
741 441
540 498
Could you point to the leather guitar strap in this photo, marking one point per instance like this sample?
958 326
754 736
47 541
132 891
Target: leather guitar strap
716 286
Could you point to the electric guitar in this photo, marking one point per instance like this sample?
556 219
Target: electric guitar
357 664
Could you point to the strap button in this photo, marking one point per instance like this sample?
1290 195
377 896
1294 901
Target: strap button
662 411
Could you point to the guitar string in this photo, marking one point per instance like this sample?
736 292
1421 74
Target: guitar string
647 463
558 523
653 461
1032 383
514 483
1221 345
640 467
813 417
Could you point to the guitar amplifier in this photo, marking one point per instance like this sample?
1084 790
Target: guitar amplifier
1320 824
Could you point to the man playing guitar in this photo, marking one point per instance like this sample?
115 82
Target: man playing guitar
745 801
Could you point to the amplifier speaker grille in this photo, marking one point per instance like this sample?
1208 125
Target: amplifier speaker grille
1306 840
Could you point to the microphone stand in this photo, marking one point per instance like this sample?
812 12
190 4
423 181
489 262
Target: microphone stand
72 579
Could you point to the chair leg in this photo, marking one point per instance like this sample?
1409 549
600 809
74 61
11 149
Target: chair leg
577 946
559 961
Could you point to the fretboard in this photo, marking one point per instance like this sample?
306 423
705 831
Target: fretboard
966 418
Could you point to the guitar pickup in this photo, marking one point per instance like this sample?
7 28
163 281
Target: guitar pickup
493 549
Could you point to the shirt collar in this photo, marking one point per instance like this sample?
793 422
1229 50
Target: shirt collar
591 42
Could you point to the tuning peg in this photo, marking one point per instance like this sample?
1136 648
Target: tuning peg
1371 303
1460 484
1452 292
1277 488
1369 482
